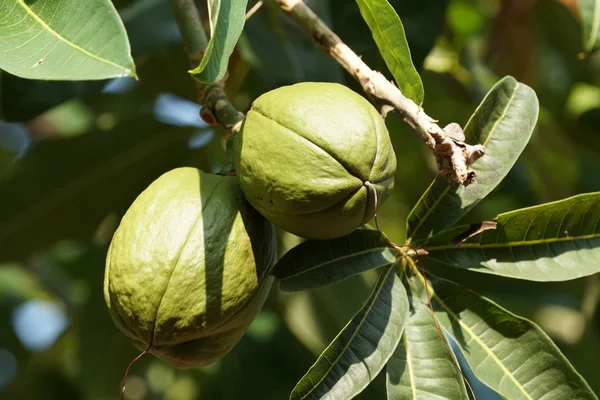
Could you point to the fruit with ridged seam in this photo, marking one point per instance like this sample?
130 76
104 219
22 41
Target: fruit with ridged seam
313 157
188 267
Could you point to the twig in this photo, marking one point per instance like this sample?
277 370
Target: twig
453 155
217 109
254 9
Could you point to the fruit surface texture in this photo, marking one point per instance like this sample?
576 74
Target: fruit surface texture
310 156
188 267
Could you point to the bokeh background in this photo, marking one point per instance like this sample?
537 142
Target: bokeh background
74 155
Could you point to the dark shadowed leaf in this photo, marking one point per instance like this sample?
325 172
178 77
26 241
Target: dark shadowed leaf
362 348
279 50
551 242
590 18
63 40
503 123
508 353
388 32
227 18
22 99
423 365
64 188
317 263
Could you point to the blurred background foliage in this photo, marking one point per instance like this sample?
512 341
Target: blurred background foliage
74 155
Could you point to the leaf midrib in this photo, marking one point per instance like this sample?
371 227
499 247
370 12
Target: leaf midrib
335 260
393 53
375 296
512 244
488 351
48 29
409 362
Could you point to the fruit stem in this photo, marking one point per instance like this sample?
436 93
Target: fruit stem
129 367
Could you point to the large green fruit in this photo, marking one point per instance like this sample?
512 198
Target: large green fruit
309 157
188 268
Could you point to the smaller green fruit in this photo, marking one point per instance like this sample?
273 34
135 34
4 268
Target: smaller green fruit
313 157
187 269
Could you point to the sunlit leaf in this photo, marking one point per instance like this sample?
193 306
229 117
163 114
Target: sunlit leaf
508 353
551 242
388 32
362 348
503 123
63 40
590 17
423 365
227 18
316 263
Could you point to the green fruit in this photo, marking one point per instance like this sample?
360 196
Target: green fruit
187 269
309 157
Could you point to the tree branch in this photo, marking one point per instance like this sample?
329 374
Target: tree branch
217 109
453 155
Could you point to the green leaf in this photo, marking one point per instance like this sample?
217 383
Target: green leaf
508 353
590 17
423 22
227 18
362 348
64 189
317 263
63 40
503 123
388 33
551 242
423 365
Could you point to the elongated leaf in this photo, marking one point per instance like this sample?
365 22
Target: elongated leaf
508 353
388 33
551 242
227 18
362 348
590 18
63 40
316 263
423 21
423 367
503 123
